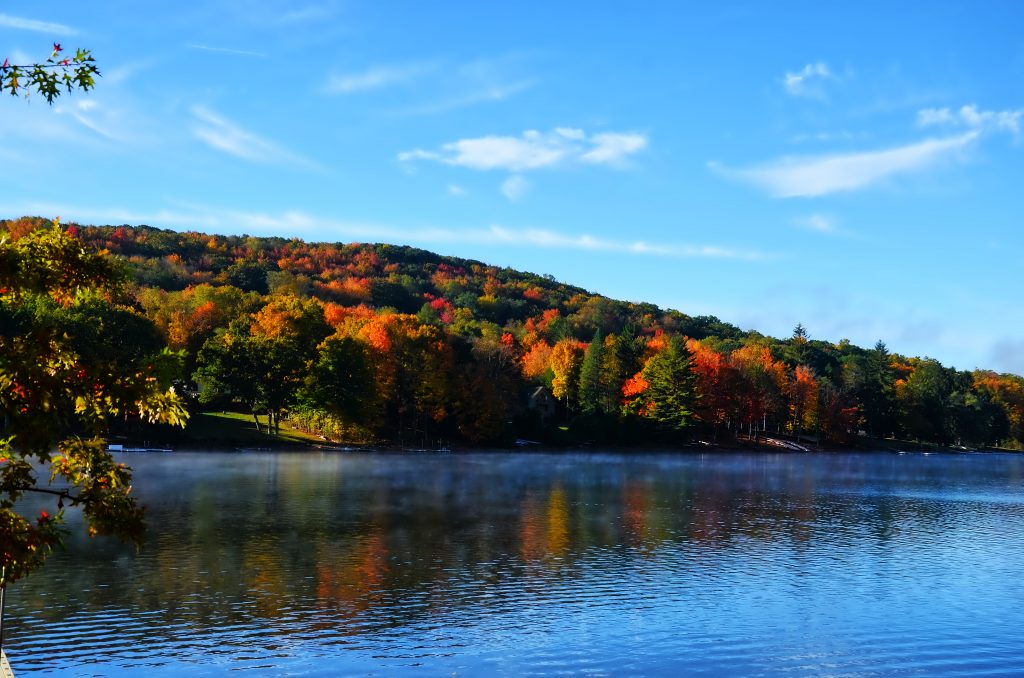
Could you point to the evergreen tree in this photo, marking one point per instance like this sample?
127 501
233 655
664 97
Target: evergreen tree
671 395
591 390
878 393
626 354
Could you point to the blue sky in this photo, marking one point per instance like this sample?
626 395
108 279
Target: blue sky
855 167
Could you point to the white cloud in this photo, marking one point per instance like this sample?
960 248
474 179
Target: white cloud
571 133
515 187
927 117
125 71
8 21
450 86
806 81
553 240
223 135
610 148
819 222
456 190
87 120
309 13
809 176
308 226
488 93
375 77
227 50
969 116
23 124
20 58
534 150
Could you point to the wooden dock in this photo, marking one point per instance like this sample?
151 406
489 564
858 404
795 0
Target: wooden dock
5 668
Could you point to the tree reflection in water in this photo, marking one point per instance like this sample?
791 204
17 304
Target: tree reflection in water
349 546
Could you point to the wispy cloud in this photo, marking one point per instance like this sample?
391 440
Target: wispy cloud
535 150
456 190
227 50
807 81
822 223
311 227
515 187
84 111
971 117
481 95
125 71
437 86
309 13
20 23
535 237
451 86
223 135
376 77
92 123
825 137
611 148
827 225
810 176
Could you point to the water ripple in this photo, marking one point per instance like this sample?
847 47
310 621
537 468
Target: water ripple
318 565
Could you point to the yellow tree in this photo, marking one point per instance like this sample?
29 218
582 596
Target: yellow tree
803 399
761 382
566 363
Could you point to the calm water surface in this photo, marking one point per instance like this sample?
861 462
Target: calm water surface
534 564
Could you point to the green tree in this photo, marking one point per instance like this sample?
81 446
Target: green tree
924 401
591 394
340 382
879 393
625 359
670 397
263 373
74 355
796 348
249 276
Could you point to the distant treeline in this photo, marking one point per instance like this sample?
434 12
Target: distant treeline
382 343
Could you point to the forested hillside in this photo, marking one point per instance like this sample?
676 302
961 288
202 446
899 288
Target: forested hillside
383 343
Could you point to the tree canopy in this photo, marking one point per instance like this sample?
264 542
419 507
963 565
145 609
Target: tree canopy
75 353
359 342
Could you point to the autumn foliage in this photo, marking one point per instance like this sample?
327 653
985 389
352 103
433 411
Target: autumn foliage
380 342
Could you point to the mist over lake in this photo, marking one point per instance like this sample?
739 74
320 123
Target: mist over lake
536 564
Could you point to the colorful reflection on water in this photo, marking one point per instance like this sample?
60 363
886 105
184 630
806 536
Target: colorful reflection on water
540 564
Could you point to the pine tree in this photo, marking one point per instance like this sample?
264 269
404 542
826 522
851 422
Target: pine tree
671 394
590 376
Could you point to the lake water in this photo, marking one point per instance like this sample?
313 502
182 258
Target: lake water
542 564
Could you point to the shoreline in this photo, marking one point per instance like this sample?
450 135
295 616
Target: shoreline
544 448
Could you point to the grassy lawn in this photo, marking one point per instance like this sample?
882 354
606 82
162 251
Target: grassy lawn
234 429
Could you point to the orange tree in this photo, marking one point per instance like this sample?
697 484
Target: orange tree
74 355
